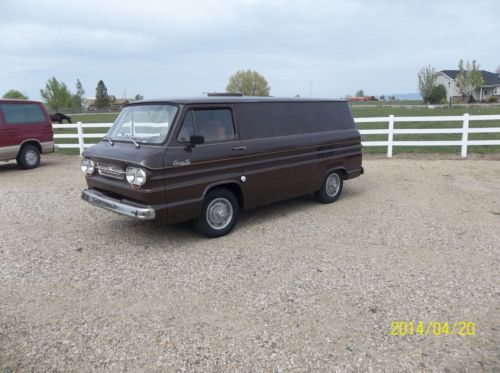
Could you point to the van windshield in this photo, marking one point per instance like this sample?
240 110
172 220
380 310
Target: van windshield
143 123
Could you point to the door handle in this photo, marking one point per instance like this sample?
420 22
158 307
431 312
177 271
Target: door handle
240 148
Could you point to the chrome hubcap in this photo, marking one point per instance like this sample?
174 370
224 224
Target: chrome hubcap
219 213
332 184
30 157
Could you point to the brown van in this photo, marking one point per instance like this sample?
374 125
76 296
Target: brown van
208 158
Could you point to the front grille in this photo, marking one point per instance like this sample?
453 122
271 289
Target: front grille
109 170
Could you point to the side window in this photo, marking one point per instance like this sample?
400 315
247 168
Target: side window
214 124
22 113
187 128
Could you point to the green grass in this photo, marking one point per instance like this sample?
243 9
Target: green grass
360 111
94 118
386 103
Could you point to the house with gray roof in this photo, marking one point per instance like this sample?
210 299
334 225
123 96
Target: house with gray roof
490 87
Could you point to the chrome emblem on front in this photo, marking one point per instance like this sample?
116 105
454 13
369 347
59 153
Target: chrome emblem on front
110 171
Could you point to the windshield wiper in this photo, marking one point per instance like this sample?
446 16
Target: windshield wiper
133 139
109 139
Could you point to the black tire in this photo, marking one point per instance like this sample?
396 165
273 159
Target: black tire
226 202
330 192
28 157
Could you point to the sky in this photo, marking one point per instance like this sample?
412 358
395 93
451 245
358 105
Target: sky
185 48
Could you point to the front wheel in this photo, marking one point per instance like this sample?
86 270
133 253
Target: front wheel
331 189
219 214
28 157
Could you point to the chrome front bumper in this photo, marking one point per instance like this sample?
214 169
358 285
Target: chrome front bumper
101 200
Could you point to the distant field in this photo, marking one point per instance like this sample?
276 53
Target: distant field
94 118
359 111
381 103
363 111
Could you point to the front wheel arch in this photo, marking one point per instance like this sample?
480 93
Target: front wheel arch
232 186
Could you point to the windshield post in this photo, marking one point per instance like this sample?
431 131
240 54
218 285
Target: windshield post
132 132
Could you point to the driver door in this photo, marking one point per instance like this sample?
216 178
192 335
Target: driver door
190 170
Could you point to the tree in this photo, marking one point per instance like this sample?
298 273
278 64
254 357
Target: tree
426 81
249 83
438 93
138 97
13 93
56 95
469 78
80 94
360 93
101 95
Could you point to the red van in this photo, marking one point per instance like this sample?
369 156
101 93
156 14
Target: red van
25 132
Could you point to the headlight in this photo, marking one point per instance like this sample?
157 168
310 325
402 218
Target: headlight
87 166
136 176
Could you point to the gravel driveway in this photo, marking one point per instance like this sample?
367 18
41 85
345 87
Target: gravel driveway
298 286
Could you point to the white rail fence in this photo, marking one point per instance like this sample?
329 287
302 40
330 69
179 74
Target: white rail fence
390 131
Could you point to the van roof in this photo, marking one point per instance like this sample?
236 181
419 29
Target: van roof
232 100
18 100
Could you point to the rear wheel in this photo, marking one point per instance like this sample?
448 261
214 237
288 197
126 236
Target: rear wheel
331 189
28 157
219 214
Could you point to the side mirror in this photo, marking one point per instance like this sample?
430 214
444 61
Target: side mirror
196 140
193 141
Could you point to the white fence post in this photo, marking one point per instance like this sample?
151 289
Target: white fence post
81 143
390 136
465 135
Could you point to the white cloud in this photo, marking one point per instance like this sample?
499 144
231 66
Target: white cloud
33 38
161 48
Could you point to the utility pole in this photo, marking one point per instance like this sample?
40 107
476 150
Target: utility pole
310 89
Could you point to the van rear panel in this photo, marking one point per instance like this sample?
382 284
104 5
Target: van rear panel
292 146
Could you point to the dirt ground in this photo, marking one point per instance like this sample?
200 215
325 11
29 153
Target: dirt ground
297 286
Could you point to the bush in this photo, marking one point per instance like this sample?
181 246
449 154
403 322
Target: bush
437 94
493 99
443 101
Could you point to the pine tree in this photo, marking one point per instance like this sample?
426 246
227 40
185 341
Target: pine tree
101 95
